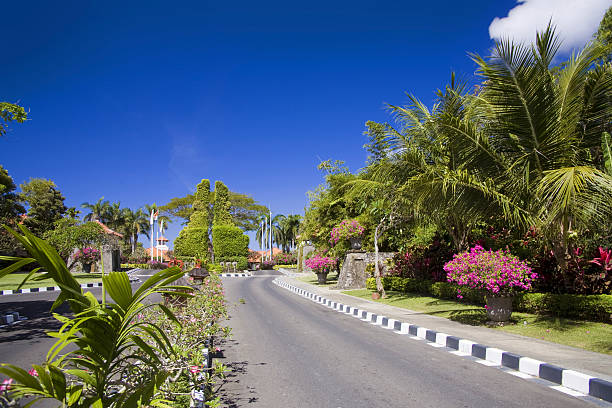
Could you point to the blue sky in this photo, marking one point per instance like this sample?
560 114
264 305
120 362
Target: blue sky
138 101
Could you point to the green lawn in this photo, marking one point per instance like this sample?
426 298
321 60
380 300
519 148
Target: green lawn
594 336
310 277
13 280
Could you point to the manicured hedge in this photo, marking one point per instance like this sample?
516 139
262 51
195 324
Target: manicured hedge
587 307
229 241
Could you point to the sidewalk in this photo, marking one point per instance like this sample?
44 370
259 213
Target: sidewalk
588 362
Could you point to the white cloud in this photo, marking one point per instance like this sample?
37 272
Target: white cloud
575 20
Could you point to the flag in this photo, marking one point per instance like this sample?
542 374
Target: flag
151 219
156 214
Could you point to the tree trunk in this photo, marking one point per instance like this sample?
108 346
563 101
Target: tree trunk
379 286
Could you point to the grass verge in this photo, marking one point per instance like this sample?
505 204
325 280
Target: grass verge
593 336
310 277
11 281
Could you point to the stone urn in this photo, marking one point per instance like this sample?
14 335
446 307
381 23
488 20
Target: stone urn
322 278
499 308
87 268
355 243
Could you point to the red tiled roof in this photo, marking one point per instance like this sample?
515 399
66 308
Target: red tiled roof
109 231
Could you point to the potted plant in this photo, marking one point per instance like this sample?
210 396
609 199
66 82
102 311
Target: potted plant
500 274
348 229
87 257
321 266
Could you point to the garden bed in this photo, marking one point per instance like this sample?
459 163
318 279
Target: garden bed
10 282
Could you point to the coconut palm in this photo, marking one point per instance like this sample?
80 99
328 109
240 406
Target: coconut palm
134 224
98 210
113 217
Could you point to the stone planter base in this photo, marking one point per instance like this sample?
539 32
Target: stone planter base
321 278
375 296
499 308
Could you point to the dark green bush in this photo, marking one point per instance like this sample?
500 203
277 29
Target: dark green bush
229 241
586 307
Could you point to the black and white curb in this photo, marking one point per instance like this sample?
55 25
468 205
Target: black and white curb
570 382
47 289
234 275
11 318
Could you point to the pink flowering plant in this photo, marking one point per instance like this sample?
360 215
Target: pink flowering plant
321 264
87 255
499 273
345 230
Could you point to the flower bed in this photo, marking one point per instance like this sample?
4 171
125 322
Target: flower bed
321 264
585 307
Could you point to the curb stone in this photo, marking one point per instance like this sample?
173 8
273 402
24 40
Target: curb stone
46 289
235 275
574 380
10 319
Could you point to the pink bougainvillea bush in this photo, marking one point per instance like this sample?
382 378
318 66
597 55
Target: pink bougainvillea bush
87 255
345 230
321 264
499 273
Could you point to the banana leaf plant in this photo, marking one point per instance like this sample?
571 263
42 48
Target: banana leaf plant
106 354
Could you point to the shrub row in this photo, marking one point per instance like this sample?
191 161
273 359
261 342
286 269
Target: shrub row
154 265
242 261
277 267
587 307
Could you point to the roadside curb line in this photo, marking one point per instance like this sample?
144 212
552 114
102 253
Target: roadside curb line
574 380
46 289
233 275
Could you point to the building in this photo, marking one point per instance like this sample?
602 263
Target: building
160 250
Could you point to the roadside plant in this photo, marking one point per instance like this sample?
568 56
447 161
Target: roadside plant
498 273
87 256
321 264
345 230
105 354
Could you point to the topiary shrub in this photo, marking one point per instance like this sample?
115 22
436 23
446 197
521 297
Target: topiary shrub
242 262
221 208
193 240
229 241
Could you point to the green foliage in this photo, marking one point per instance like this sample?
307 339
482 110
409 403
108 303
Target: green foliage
193 240
222 205
45 202
604 34
10 210
587 307
101 342
229 241
69 234
11 112
244 209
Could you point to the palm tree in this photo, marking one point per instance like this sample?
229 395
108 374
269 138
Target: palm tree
262 232
98 210
135 223
114 216
277 231
289 226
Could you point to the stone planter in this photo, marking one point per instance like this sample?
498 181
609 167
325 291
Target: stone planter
499 308
322 278
87 268
355 242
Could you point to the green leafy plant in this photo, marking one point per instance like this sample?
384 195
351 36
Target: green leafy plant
105 355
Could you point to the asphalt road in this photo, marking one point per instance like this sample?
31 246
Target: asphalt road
287 351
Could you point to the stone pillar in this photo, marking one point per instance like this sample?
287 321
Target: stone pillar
353 274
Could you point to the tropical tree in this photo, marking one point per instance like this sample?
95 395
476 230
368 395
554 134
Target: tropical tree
11 112
134 224
97 210
45 204
113 217
261 234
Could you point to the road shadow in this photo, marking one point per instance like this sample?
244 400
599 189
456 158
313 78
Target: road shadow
232 390
40 320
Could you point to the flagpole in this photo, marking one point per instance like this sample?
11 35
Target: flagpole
270 234
151 220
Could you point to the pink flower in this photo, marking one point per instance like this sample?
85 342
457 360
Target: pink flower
6 385
33 372
217 349
194 369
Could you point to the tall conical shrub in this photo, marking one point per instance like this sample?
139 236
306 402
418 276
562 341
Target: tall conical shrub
193 240
229 243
